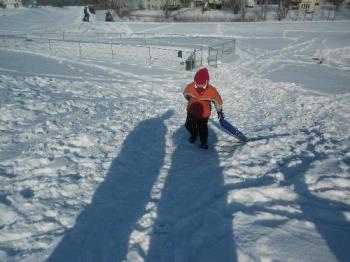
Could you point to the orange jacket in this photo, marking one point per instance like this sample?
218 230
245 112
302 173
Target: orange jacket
199 104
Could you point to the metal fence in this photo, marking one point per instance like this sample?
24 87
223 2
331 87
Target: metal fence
129 53
139 48
219 51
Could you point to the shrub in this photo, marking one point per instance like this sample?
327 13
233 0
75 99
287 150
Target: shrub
2 4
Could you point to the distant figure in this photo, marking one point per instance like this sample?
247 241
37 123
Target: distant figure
199 95
86 15
109 17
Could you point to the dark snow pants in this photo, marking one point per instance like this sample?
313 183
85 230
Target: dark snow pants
197 127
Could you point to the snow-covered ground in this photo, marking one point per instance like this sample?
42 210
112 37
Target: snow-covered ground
95 163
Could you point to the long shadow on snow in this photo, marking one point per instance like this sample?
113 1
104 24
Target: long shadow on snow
193 222
327 215
102 230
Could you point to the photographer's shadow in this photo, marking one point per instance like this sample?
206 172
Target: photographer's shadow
102 230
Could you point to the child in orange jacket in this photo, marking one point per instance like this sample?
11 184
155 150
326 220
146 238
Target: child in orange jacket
200 94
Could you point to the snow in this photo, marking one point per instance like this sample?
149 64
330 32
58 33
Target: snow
95 163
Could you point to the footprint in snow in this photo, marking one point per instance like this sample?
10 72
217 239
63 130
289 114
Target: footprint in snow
27 193
4 200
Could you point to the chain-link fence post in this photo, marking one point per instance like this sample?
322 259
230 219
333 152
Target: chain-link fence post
80 53
112 51
50 50
149 54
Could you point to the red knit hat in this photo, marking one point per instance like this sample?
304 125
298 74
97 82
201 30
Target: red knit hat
201 78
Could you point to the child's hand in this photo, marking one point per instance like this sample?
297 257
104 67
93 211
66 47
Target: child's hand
220 114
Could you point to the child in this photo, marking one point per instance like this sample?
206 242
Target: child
200 94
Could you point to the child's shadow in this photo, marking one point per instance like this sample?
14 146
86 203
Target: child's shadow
192 221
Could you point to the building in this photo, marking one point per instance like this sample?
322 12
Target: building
309 5
162 4
12 3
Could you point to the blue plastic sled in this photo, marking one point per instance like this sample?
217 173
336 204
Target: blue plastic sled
232 130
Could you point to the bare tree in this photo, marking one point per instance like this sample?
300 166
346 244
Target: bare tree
263 13
120 6
60 3
234 5
242 4
166 7
282 9
338 4
186 3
